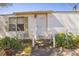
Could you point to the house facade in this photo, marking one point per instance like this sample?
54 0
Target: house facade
26 25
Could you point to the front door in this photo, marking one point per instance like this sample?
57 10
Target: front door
41 25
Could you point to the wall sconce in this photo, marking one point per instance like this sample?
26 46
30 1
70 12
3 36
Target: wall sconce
35 16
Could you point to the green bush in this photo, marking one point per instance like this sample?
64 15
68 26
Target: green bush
73 39
76 40
8 42
69 40
64 39
60 37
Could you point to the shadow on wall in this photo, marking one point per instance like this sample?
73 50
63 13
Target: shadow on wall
67 21
55 25
55 22
73 23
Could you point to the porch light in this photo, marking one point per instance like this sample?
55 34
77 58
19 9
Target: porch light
35 15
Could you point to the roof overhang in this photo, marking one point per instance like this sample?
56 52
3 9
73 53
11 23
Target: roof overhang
33 12
39 12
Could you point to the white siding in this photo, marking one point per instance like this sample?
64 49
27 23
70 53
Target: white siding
37 25
64 22
41 24
2 26
31 25
55 24
11 34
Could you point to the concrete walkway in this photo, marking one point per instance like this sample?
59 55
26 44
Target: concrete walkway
41 51
54 52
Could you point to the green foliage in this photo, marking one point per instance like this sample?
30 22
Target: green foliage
64 39
76 40
5 4
8 42
27 49
60 37
69 40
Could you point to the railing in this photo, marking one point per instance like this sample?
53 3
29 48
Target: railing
51 34
44 35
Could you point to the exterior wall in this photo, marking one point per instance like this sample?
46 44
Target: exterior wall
9 33
54 22
41 24
72 22
32 26
34 22
62 22
2 26
37 25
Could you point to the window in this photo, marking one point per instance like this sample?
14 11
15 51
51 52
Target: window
12 24
20 27
18 23
12 27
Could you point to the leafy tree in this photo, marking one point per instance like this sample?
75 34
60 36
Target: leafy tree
5 4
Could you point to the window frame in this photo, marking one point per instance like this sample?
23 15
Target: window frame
16 23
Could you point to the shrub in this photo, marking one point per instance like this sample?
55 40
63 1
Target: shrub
8 42
76 40
69 40
60 37
73 39
64 39
27 49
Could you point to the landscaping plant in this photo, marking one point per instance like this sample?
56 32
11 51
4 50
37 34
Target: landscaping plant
76 40
27 50
60 37
64 40
10 45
